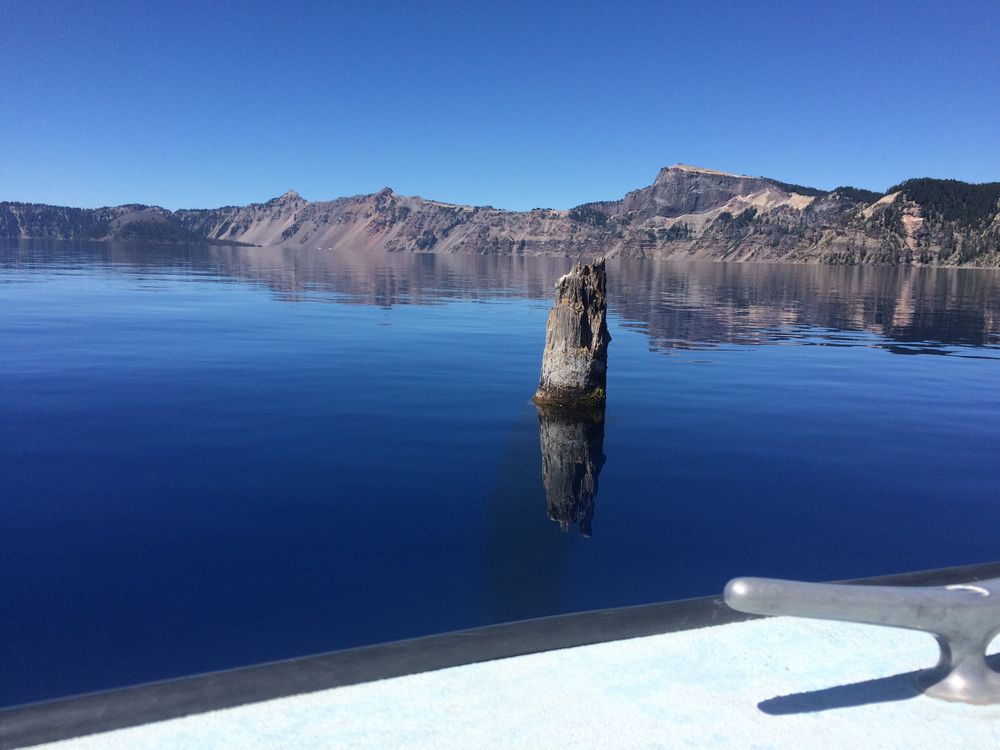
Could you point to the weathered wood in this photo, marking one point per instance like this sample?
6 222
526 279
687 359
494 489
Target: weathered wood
575 360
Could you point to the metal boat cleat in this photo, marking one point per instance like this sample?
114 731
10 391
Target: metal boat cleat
964 618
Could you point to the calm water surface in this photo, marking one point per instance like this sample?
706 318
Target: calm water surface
216 456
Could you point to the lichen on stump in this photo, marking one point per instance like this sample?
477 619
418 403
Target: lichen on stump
575 360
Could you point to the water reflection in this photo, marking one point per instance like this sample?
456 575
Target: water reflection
572 459
702 305
678 305
296 436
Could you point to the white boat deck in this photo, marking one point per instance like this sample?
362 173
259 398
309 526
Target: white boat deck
770 683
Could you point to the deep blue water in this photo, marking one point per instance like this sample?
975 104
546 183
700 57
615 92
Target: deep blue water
213 457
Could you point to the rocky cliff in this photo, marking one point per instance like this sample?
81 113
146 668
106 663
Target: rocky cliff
687 212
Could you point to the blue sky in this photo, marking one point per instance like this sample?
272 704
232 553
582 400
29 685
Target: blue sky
516 105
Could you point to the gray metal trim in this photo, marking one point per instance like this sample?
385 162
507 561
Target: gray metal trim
964 618
33 724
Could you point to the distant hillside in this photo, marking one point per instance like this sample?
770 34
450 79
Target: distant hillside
131 223
688 212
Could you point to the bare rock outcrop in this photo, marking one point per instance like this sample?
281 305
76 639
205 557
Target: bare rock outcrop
687 213
575 360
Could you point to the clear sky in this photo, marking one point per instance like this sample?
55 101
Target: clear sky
517 105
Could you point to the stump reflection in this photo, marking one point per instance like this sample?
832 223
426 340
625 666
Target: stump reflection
572 444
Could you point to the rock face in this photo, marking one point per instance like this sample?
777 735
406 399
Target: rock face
572 458
575 360
688 212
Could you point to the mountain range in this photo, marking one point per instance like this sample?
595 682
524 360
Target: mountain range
688 212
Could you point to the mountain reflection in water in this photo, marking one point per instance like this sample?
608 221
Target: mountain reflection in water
678 305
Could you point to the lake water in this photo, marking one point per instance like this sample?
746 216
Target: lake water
217 456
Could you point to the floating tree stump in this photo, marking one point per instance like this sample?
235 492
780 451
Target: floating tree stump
575 360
